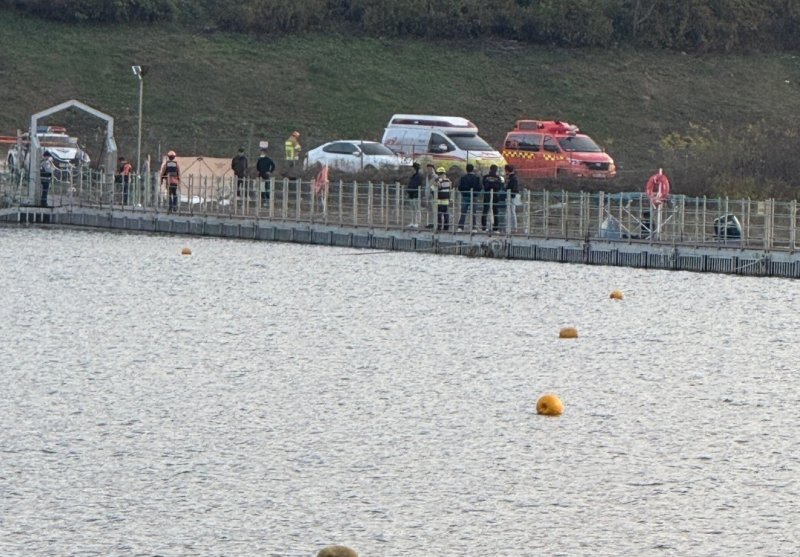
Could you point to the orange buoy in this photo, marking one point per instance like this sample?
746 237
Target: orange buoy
617 295
568 332
336 551
549 405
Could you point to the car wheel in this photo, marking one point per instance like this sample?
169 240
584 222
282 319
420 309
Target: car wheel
370 168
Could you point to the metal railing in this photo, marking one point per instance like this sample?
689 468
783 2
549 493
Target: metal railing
630 217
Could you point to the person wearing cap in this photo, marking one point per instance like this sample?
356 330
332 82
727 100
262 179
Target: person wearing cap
265 167
239 167
469 186
412 191
442 189
124 171
171 174
492 189
292 148
45 175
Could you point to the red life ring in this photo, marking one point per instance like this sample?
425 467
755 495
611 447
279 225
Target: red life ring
657 189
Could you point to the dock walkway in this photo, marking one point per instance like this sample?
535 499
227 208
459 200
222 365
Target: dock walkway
755 238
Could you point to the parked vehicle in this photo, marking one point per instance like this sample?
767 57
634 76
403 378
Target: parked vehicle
553 148
65 149
446 141
353 156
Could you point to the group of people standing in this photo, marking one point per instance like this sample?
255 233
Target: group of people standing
491 197
265 166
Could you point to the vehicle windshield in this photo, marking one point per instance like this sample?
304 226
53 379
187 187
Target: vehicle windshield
376 149
469 142
579 144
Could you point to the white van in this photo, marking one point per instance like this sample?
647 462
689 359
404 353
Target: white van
446 141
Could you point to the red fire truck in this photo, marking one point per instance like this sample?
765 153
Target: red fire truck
553 148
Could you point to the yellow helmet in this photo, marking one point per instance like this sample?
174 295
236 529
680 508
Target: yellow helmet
440 170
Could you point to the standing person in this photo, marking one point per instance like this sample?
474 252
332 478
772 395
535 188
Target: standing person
239 167
265 166
412 191
46 170
430 180
125 171
292 148
171 174
443 187
492 186
514 193
469 186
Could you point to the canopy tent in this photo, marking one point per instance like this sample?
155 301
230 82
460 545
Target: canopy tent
203 179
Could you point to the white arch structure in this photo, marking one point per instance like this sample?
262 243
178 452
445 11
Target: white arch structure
33 169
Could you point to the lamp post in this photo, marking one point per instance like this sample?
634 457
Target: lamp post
137 71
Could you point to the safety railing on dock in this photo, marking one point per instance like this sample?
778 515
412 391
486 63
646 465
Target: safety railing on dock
630 217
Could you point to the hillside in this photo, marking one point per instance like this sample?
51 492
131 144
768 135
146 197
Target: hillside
209 93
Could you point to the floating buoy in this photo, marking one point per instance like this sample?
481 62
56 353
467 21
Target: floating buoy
186 251
568 332
336 551
617 295
549 405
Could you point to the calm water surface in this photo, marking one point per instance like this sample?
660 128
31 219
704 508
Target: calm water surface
258 399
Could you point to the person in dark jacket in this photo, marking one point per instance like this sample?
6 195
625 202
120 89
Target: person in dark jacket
469 186
46 169
239 167
492 190
514 196
412 191
265 167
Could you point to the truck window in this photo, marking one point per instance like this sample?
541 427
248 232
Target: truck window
579 144
550 145
436 143
526 142
469 142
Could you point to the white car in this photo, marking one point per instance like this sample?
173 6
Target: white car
355 155
65 149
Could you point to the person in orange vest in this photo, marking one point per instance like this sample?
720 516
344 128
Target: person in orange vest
125 171
171 174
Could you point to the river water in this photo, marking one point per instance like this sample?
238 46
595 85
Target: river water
265 399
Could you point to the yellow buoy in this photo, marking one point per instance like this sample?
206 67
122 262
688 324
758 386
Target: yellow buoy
568 332
549 405
337 551
186 251
617 295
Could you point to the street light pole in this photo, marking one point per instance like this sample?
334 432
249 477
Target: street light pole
137 71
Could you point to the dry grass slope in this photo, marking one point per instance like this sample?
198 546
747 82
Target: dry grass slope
209 93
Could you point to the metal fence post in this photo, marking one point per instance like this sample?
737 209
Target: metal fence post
355 203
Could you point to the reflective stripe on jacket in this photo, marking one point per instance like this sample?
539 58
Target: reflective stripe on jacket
443 188
171 172
292 148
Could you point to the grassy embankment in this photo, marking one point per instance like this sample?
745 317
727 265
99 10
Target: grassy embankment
209 93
